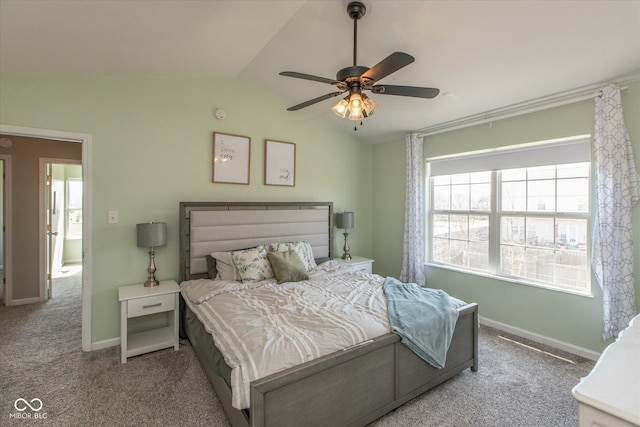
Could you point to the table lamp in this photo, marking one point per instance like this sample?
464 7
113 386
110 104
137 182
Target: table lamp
151 235
345 221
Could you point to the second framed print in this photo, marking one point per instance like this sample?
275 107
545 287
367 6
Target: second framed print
231 158
279 163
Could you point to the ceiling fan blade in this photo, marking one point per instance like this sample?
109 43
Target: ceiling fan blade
416 92
313 101
388 65
308 77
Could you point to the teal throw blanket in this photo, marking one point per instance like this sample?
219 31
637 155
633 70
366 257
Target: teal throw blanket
423 317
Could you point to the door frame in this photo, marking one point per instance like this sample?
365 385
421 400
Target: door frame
7 292
87 237
44 256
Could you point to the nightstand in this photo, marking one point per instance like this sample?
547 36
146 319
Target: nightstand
138 300
358 264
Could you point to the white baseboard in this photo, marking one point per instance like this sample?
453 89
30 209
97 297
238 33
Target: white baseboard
551 342
25 301
99 345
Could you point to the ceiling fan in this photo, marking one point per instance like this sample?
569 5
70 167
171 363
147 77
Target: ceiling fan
356 79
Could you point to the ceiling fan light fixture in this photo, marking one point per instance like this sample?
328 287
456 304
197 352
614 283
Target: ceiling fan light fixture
356 114
356 106
369 105
355 101
341 107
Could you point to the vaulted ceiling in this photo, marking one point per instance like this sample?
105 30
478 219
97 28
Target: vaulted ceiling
482 55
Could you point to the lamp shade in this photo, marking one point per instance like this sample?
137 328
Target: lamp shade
151 234
344 220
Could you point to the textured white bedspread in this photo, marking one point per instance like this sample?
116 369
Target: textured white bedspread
264 327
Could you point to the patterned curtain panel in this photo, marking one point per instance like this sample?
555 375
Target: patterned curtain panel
413 250
617 191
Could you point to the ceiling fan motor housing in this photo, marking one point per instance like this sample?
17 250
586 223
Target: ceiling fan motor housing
353 71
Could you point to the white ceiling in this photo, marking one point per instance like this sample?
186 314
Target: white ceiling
482 55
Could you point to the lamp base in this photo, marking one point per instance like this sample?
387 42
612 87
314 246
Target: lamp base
151 279
346 255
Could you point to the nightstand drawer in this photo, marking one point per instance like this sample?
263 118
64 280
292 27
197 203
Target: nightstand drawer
149 305
362 268
358 264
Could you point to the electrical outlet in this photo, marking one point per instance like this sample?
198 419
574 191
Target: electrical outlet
112 217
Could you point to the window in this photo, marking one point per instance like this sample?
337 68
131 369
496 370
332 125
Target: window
460 220
74 208
528 223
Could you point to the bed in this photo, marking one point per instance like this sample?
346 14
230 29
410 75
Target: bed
350 386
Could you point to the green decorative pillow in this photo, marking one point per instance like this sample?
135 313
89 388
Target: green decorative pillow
252 264
287 266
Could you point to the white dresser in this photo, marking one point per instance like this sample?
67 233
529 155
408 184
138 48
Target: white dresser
610 395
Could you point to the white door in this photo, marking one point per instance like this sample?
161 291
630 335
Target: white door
51 215
58 221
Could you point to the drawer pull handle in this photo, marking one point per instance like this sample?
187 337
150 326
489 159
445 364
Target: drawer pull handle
152 305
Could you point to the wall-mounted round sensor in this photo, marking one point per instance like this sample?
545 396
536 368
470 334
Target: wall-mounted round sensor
5 142
220 114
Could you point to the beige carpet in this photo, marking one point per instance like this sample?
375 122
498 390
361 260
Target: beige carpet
41 357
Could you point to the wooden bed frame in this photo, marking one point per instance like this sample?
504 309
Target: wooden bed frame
351 387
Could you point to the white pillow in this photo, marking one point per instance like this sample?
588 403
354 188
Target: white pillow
307 250
252 264
303 249
226 268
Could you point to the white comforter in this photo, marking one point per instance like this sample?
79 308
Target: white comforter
262 328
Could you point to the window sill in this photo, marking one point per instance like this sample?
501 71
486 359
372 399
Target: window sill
510 280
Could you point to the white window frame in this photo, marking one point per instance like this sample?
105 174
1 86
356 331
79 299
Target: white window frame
570 150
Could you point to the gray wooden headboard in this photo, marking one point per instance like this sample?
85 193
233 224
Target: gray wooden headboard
207 227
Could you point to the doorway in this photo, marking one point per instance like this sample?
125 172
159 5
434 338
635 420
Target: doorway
61 190
86 148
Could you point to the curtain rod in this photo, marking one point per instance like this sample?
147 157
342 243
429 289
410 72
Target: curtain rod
526 107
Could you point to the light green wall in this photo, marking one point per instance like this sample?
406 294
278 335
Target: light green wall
572 319
152 148
388 207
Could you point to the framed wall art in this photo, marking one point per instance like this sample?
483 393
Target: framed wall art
231 157
279 163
